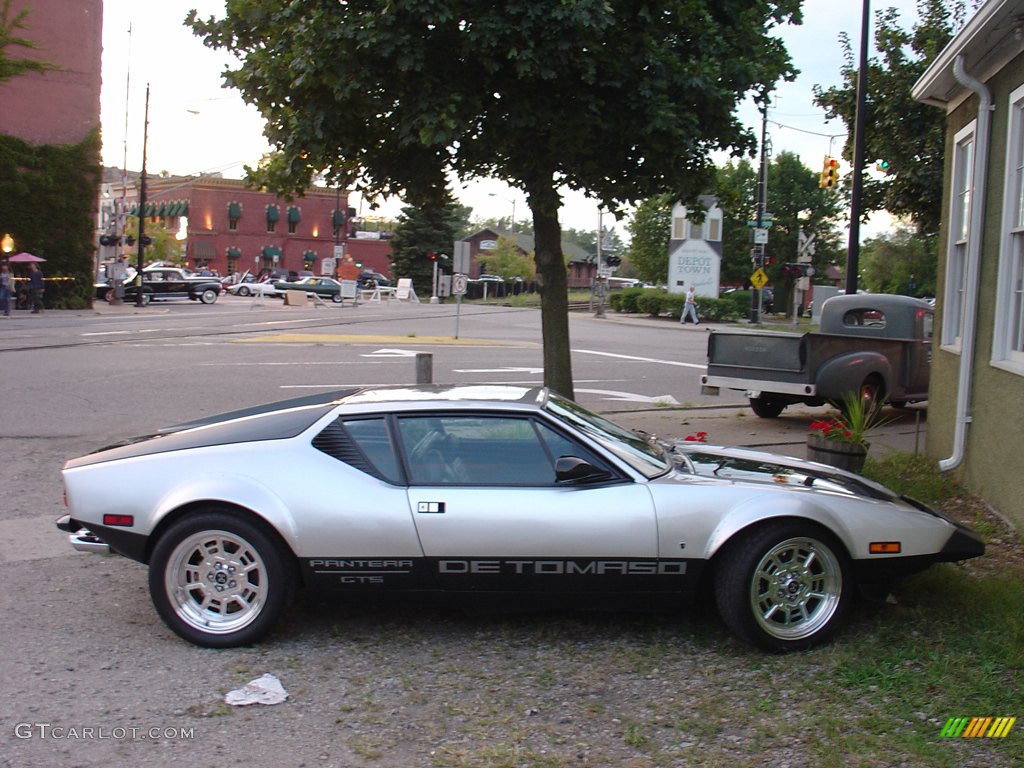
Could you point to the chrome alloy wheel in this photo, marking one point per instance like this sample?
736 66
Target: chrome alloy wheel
216 582
796 588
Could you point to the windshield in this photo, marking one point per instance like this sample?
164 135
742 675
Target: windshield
647 458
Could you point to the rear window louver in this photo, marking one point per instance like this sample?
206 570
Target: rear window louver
335 441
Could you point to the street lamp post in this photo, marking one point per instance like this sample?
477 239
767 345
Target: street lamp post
507 200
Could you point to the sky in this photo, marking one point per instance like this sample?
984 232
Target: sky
197 126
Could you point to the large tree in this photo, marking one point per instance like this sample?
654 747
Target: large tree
907 134
620 98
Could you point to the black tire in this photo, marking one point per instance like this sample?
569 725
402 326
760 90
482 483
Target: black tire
243 291
208 296
219 580
766 407
784 585
337 298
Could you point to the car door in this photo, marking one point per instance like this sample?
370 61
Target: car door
491 516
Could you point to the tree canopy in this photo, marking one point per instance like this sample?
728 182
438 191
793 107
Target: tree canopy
622 99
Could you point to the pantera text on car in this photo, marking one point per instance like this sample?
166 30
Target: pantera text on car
483 493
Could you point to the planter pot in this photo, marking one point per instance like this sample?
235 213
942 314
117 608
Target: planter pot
848 456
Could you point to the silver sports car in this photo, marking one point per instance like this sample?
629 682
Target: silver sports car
487 493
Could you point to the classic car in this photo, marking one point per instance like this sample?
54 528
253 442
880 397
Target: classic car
482 494
164 282
325 287
255 288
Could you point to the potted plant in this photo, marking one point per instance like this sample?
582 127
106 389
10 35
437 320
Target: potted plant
842 440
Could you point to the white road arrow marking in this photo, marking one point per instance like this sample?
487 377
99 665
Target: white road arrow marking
499 370
631 397
391 353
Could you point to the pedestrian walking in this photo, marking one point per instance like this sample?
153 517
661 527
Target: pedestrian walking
6 289
35 288
690 307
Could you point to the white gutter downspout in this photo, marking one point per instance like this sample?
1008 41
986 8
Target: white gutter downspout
973 263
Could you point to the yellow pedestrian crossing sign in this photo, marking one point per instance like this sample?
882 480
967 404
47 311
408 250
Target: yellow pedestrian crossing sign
758 279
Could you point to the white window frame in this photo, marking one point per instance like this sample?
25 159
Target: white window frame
960 200
1008 330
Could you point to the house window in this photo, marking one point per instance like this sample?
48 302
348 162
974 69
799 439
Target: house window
696 231
234 215
1008 335
678 225
959 233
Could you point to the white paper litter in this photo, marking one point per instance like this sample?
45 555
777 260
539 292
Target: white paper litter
262 690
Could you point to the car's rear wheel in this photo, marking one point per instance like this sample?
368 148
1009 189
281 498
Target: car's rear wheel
243 291
784 585
218 580
208 296
336 298
766 407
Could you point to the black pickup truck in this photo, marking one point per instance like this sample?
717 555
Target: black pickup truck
160 283
875 345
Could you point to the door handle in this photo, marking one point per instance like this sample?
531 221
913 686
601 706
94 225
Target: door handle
430 507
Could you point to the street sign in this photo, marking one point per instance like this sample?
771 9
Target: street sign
760 236
459 284
765 223
758 279
462 256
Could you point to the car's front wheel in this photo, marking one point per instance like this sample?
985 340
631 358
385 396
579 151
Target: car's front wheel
336 298
243 291
208 296
784 585
218 580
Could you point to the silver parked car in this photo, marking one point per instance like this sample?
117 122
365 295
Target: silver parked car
485 493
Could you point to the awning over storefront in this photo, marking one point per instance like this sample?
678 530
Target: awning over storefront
309 256
234 253
270 251
203 249
273 214
294 214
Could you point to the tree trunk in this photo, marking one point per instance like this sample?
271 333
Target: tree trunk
554 298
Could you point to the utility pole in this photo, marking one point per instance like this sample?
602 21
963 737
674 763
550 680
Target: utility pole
762 204
853 251
142 209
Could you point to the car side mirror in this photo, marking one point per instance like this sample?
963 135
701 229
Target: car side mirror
573 469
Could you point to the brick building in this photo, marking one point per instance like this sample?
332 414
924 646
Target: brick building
230 227
61 106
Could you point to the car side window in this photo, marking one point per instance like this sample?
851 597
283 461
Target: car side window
470 449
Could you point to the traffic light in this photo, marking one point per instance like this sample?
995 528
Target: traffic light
110 240
431 255
613 261
829 173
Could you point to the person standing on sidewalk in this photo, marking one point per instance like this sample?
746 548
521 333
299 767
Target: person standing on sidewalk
35 288
6 289
690 307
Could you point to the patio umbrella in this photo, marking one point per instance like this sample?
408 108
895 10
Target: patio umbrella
24 258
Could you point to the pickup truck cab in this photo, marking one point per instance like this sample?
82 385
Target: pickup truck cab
875 345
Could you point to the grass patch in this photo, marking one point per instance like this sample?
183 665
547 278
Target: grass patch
915 476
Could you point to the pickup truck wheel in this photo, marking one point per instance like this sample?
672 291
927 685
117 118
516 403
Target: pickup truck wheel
784 585
219 581
208 296
766 407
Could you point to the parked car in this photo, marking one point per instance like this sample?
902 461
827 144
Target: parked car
325 287
256 288
485 493
161 283
368 279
